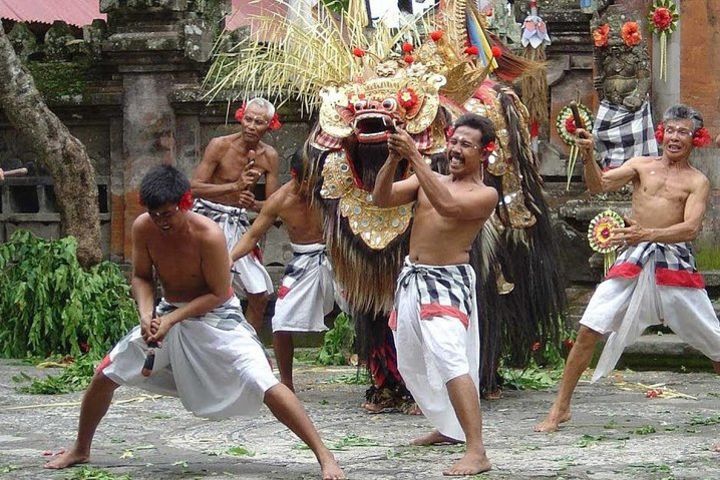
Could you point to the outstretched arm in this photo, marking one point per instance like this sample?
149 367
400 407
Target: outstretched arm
260 226
598 181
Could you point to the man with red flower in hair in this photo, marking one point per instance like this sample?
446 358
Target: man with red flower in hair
206 353
654 280
434 318
224 184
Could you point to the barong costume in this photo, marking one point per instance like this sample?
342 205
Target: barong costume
249 272
215 363
306 293
652 284
435 326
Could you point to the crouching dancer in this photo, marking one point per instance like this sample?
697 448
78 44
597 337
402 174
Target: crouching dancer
654 280
435 317
209 356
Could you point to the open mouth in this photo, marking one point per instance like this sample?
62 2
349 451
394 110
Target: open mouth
373 127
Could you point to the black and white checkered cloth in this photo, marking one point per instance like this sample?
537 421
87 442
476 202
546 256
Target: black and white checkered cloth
674 264
447 286
621 134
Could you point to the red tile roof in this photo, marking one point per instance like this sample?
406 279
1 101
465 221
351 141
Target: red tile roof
74 12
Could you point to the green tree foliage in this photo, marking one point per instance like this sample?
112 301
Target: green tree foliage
50 304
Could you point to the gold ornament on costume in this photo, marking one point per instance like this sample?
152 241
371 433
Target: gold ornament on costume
600 235
376 226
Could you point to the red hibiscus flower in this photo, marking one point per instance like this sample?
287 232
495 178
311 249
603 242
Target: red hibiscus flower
630 34
358 52
186 201
570 125
660 132
496 51
701 137
490 147
407 47
600 35
436 35
662 18
472 50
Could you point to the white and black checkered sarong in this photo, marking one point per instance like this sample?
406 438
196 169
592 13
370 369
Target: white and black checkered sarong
214 363
435 326
249 272
621 134
441 289
674 264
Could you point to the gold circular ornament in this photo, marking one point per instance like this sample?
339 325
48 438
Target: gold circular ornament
601 228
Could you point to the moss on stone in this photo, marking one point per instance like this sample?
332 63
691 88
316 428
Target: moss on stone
708 258
58 79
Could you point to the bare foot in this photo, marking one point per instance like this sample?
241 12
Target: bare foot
434 438
67 459
553 421
716 447
330 469
471 464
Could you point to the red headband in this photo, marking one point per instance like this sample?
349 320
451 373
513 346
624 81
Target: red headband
274 121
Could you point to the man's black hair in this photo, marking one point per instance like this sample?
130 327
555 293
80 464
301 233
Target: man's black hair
163 184
479 123
297 164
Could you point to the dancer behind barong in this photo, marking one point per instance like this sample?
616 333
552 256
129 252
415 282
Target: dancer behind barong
654 281
435 317
223 184
209 356
306 293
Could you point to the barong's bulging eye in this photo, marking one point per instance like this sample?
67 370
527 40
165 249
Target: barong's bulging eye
360 105
389 104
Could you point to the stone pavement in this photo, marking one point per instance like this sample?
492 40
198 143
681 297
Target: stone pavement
615 434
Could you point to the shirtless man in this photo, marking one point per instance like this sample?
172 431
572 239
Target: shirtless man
434 320
223 184
668 206
197 315
306 293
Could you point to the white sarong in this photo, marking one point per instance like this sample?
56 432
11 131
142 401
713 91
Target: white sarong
215 364
249 272
652 284
306 293
435 326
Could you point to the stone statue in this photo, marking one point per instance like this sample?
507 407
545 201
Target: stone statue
621 59
623 125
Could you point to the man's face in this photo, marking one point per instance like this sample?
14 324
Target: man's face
464 151
167 217
255 122
677 139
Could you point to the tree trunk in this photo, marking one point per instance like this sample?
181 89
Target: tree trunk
63 155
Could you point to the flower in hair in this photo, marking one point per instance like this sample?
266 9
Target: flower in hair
240 112
186 201
275 123
701 137
660 132
490 146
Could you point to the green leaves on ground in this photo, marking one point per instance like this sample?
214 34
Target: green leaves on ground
338 342
90 473
74 378
50 304
531 378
